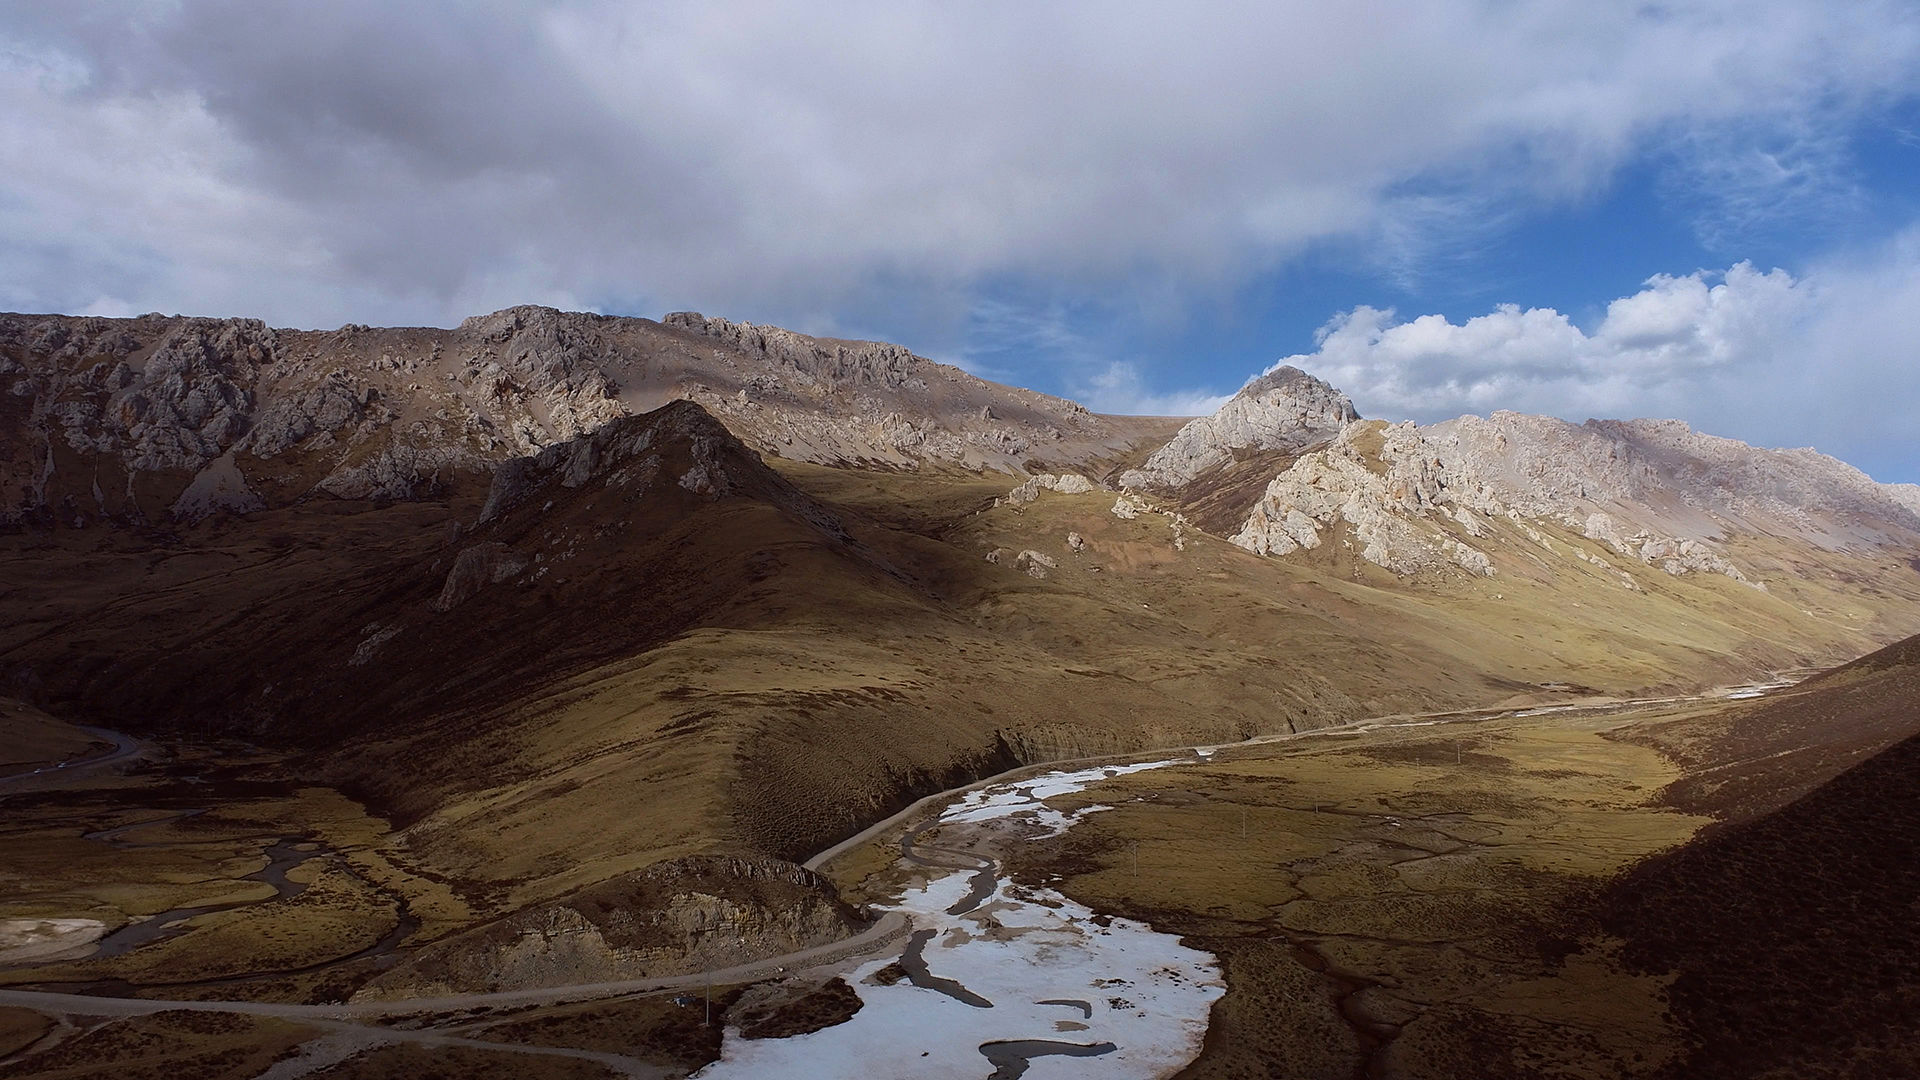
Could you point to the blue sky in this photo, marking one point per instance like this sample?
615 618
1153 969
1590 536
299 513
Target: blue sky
1700 208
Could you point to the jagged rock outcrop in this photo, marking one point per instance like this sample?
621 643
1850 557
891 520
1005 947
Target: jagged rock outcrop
218 488
1285 409
1344 483
1417 498
91 405
477 567
1675 556
627 455
1030 489
1035 564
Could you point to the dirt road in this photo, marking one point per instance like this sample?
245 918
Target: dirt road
63 774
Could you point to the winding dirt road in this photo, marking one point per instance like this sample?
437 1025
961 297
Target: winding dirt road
62 774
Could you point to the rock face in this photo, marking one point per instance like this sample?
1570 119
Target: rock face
673 918
161 419
1907 495
1030 489
1656 491
815 360
1286 409
1035 563
476 568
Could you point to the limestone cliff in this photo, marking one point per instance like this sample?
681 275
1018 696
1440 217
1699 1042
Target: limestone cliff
1656 491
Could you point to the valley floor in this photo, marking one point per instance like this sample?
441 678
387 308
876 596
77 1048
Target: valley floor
1407 897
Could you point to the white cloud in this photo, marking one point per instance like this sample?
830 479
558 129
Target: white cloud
1120 388
405 163
888 165
1832 357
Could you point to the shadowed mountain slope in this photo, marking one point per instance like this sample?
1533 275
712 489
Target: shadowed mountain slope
1752 758
1792 933
648 629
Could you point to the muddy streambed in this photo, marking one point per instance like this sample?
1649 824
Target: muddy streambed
283 856
999 980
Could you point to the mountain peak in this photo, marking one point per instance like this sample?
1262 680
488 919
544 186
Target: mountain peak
1284 377
1284 410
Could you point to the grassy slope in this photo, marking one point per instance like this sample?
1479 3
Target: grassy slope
722 675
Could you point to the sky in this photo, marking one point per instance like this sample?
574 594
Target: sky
1708 210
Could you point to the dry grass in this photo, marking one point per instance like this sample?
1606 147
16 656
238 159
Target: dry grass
697 676
21 1028
353 887
797 1011
651 1029
1789 928
1396 898
409 1062
729 676
166 1046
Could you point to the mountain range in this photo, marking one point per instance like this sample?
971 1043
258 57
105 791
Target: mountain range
731 592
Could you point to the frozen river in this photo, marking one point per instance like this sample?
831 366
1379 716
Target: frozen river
1005 981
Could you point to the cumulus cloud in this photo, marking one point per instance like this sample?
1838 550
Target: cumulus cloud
1831 357
378 162
880 169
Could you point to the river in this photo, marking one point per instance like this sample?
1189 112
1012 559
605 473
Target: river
1001 980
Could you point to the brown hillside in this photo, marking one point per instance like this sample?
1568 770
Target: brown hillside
1749 758
1793 935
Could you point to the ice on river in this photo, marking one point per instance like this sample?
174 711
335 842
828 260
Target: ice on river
1053 970
1025 797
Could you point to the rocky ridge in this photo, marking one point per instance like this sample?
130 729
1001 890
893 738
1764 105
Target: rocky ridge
861 402
1655 491
159 419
